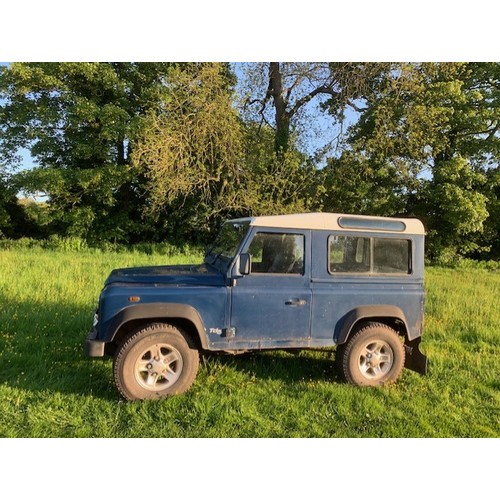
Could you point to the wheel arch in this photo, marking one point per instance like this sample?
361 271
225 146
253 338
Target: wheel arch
389 315
133 317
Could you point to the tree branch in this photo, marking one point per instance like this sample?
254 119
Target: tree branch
356 107
493 132
490 131
263 103
324 89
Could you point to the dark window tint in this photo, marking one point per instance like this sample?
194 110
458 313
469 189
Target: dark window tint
353 254
391 256
277 253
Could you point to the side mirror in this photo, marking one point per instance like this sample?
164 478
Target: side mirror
245 266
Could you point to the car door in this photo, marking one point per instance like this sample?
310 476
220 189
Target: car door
272 305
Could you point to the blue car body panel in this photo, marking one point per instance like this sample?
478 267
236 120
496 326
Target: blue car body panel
190 275
201 287
335 296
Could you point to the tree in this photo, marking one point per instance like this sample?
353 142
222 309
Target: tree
205 164
291 86
278 184
15 215
490 241
7 203
435 126
191 150
354 184
80 123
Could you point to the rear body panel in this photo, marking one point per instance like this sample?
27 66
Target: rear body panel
335 296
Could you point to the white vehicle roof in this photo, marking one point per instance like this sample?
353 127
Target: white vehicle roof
339 222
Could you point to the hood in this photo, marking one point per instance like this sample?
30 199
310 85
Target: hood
190 275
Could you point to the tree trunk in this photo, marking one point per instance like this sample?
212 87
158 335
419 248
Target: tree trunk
281 115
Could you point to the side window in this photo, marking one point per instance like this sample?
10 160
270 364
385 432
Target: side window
358 254
277 253
349 254
391 256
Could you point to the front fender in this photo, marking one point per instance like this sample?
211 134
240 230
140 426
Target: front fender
156 311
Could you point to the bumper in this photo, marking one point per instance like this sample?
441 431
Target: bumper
94 348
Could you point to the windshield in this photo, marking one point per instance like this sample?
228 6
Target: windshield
226 244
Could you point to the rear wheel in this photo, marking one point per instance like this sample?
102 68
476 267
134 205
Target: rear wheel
155 362
374 355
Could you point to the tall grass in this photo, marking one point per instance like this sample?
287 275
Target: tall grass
48 388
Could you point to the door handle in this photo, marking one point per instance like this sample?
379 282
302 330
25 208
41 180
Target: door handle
296 302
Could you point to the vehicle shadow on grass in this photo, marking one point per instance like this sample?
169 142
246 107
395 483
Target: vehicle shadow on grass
289 367
41 349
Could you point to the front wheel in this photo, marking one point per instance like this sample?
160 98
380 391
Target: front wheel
155 362
374 355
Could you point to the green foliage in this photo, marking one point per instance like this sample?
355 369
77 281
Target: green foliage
76 244
204 164
489 241
190 148
131 152
6 199
80 122
459 208
277 184
15 217
464 263
37 217
353 184
434 128
86 203
54 242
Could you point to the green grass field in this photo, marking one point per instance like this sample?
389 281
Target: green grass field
49 389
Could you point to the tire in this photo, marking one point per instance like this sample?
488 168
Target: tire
374 355
155 362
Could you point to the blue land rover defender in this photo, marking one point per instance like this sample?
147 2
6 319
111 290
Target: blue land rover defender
277 282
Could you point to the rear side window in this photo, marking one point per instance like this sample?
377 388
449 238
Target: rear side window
391 256
359 254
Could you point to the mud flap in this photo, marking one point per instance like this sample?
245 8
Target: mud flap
415 360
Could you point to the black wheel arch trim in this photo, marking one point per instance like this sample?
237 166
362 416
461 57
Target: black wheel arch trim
156 312
369 312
